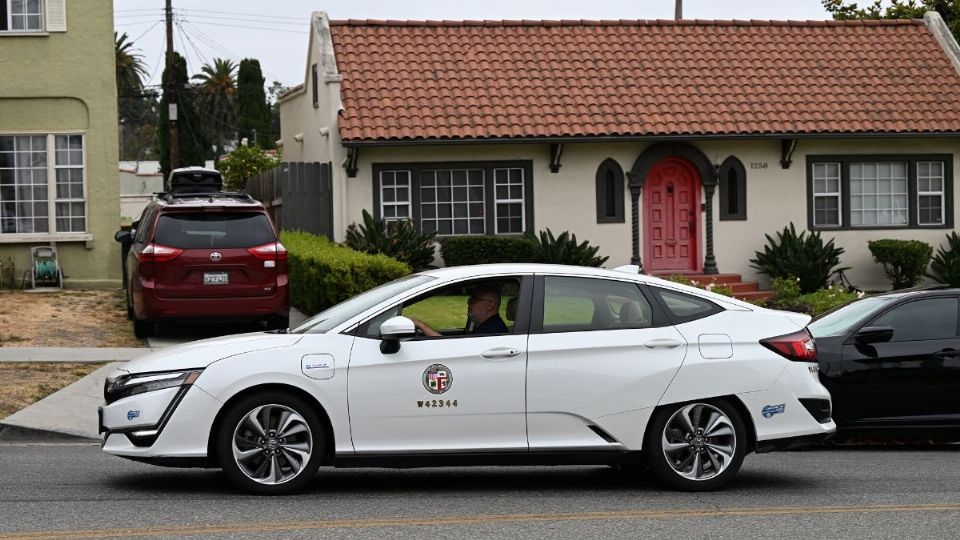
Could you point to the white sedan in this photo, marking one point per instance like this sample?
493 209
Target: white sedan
493 364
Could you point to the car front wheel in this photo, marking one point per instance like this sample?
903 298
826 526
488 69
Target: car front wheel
270 443
696 446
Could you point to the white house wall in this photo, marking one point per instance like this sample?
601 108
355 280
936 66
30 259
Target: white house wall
775 197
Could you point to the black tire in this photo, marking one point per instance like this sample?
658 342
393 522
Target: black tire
667 470
130 314
142 329
233 425
278 323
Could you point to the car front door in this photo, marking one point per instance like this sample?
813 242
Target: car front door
601 354
456 393
913 378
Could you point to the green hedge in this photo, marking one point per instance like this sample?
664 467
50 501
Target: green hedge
463 250
323 273
904 261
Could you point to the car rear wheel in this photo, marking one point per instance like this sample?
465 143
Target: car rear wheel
696 446
142 329
270 443
278 323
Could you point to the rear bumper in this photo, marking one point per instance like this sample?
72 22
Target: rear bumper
153 308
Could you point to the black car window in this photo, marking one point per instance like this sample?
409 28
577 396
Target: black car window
218 230
144 225
686 307
930 318
573 304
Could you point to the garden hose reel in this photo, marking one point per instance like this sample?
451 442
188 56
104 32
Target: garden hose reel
45 268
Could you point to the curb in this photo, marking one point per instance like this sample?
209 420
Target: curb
19 434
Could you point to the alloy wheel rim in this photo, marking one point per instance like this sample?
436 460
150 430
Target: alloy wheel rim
272 444
699 442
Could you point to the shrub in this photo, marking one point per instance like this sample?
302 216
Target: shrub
244 163
824 300
786 289
904 261
804 256
683 280
719 289
564 249
323 273
945 266
463 250
397 239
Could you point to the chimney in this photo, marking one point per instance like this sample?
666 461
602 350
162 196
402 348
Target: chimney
678 12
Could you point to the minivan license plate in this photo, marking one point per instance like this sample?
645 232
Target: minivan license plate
215 278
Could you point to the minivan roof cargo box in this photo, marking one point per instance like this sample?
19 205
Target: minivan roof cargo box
194 180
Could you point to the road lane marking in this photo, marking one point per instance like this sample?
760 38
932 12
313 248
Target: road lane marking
272 527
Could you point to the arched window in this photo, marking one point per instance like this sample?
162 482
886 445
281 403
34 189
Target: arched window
609 192
733 190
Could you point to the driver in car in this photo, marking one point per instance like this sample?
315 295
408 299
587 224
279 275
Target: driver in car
483 314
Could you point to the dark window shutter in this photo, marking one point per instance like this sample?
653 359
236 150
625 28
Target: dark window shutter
609 188
733 190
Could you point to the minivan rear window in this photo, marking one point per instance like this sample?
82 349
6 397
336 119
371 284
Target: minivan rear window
222 230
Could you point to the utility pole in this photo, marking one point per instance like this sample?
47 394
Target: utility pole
172 93
678 10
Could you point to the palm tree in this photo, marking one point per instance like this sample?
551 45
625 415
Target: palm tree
130 68
218 90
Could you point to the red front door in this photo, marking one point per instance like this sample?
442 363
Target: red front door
671 210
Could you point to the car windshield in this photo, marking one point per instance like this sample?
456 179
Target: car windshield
214 230
343 311
840 321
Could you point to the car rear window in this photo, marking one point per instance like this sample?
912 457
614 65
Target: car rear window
222 230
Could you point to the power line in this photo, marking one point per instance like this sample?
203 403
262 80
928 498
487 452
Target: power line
138 38
262 28
242 14
210 42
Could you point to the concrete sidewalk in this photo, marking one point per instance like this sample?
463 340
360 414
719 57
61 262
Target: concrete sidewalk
71 413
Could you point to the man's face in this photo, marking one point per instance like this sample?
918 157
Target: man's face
481 306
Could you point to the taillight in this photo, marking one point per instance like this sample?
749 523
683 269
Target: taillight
274 251
798 346
158 253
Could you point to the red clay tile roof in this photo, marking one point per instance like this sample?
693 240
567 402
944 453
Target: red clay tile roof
430 80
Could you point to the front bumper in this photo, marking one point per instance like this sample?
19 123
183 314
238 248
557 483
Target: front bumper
172 423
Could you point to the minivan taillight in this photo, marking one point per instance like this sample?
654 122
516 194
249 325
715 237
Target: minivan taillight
798 346
158 253
274 251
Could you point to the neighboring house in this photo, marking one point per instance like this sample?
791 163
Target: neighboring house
58 136
656 140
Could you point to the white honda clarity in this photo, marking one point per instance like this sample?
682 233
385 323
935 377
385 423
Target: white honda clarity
494 364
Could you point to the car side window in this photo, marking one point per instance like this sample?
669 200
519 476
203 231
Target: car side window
144 226
574 304
685 307
930 318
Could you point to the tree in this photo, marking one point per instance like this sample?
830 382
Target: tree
898 9
193 144
218 90
253 113
273 93
242 163
136 106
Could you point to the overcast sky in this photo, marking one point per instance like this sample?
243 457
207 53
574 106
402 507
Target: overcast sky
275 32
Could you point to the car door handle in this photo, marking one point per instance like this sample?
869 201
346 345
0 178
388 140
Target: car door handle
500 352
947 353
662 344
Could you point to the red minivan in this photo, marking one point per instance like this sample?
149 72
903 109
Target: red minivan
205 257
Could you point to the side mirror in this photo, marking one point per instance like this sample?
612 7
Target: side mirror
874 334
123 237
392 331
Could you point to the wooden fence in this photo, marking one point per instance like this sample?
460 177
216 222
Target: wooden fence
298 196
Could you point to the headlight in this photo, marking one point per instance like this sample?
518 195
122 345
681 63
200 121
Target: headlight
130 385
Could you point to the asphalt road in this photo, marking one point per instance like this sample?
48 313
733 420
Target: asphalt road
75 491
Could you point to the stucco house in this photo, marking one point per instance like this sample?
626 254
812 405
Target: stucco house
672 144
58 137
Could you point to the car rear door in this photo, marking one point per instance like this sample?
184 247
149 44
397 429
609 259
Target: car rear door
216 261
915 377
600 355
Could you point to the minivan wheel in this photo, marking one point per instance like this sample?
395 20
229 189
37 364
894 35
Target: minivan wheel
142 329
696 446
270 443
278 323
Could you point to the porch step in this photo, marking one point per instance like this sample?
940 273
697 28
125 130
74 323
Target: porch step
748 291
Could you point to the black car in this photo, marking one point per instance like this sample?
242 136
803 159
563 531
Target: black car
892 363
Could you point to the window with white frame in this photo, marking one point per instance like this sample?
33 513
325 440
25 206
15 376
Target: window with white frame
395 195
878 194
508 186
864 192
21 15
930 193
451 201
458 198
826 194
42 184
